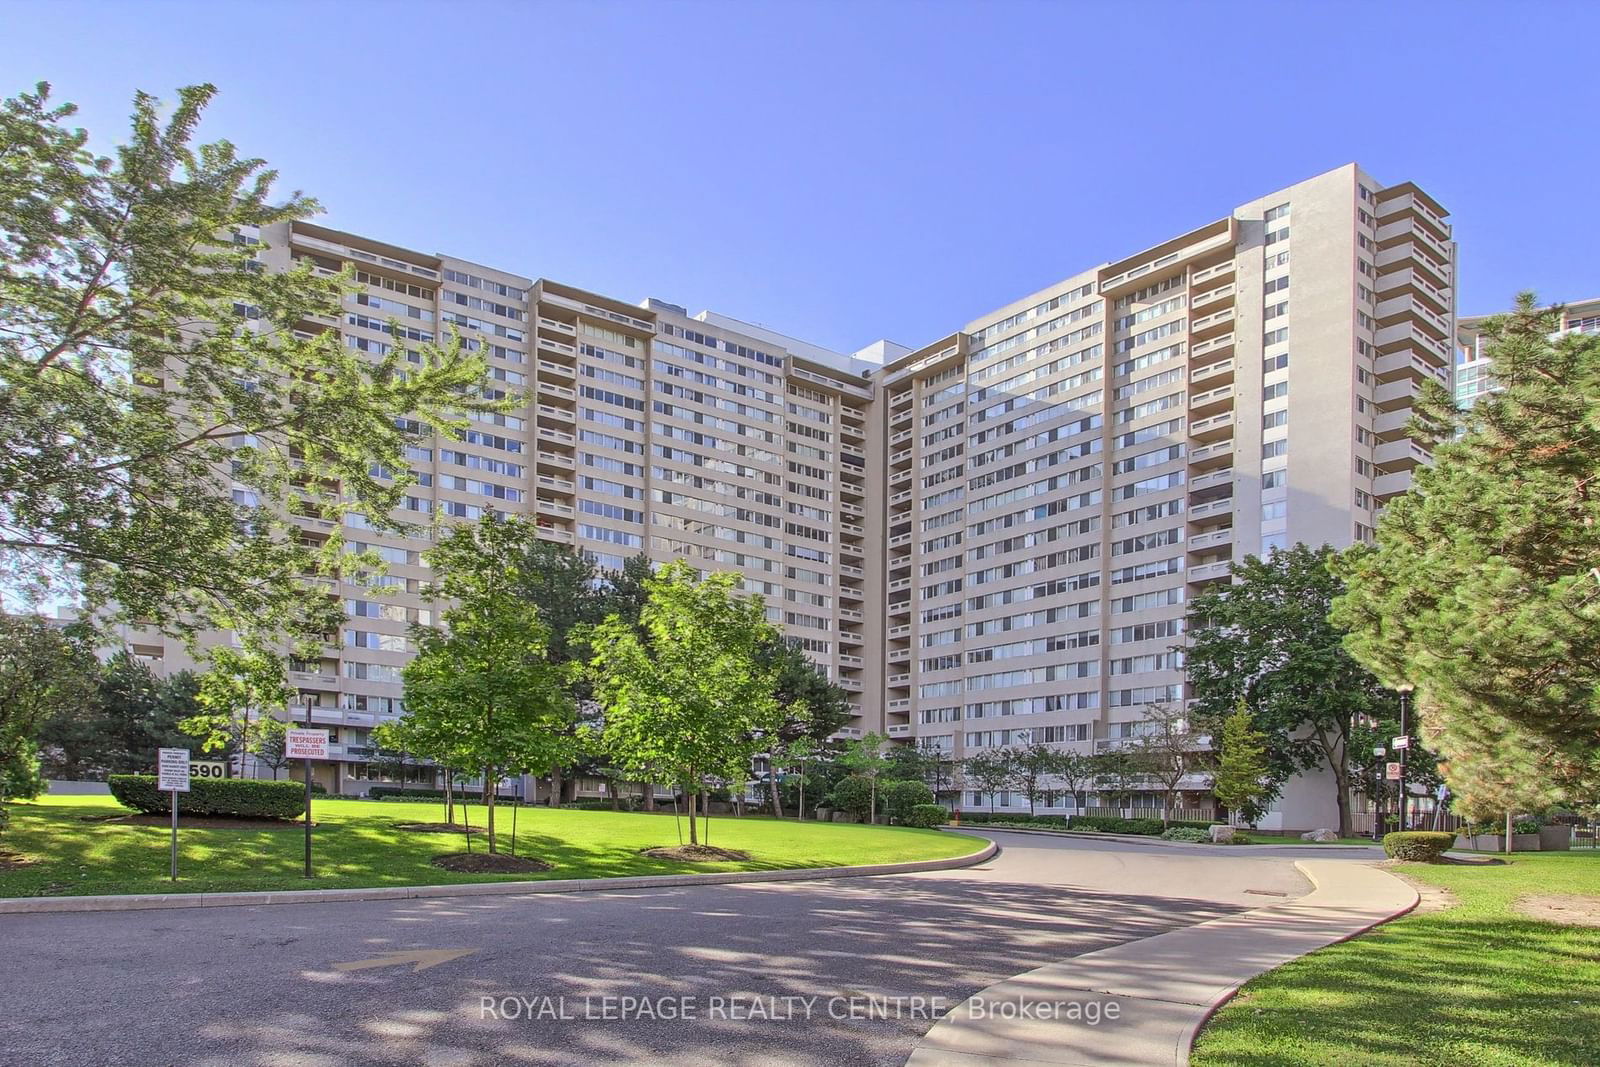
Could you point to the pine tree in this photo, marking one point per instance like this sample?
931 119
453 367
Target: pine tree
1483 589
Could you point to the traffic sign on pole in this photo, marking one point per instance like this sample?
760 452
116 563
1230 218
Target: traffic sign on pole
172 775
1392 771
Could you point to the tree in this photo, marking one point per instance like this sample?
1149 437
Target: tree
46 672
1117 774
143 350
813 707
990 770
1075 770
1483 589
864 757
481 690
1166 750
271 745
685 692
243 688
131 715
1031 767
1240 781
1267 638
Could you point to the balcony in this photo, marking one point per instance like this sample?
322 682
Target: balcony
555 533
1211 539
850 661
557 369
1208 456
1396 394
1207 325
901 679
557 436
1210 296
1212 480
851 685
899 729
1409 280
851 572
1211 402
902 704
1403 452
1211 509
558 326
549 345
559 414
1213 273
559 485
550 507
899 655
549 388
899 584
1218 373
313 679
556 459
1385 486
852 614
1212 346
1212 427
899 631
851 529
1209 572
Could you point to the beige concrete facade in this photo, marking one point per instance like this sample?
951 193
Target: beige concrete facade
988 540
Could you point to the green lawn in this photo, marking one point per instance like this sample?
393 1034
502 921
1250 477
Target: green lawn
1475 984
357 845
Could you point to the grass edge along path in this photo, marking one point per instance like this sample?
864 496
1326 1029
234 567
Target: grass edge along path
1476 984
50 850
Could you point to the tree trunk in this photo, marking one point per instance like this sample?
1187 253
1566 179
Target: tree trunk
649 796
688 800
616 797
872 807
555 786
488 806
1510 847
705 808
449 797
772 783
1341 782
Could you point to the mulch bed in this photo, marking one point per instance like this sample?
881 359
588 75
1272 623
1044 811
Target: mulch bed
10 861
693 853
437 828
487 863
198 822
1565 909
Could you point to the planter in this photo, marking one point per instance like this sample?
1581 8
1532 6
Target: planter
1555 838
1497 842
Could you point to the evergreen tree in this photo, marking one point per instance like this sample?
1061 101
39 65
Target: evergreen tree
1483 589
1239 782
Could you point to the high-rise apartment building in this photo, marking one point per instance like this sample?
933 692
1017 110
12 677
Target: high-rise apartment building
989 540
1473 366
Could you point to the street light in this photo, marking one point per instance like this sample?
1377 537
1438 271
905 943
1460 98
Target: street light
1404 689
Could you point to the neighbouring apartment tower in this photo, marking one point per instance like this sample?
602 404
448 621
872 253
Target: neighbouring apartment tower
1473 365
989 540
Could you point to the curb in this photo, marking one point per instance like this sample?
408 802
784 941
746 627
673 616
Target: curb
149 901
1142 839
1170 983
1221 1001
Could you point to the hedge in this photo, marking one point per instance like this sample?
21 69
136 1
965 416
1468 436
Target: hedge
980 818
852 795
901 798
1186 833
926 816
243 798
382 792
1418 846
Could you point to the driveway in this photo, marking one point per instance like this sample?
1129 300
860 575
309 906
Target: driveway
840 972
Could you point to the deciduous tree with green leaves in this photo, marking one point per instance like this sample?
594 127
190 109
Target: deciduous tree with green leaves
147 362
45 671
1266 638
1483 589
482 692
1032 767
686 693
1167 749
988 771
242 687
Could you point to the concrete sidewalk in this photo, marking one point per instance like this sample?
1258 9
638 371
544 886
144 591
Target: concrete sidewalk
1163 988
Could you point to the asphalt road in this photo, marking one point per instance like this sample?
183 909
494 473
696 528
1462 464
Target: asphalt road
259 987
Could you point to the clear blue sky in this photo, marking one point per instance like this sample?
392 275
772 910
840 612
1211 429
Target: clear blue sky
849 171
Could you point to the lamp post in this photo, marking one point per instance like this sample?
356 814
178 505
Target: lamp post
1404 689
1379 751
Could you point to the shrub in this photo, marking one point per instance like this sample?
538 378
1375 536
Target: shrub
926 815
983 818
243 798
1418 846
852 795
899 798
394 792
1111 824
1185 833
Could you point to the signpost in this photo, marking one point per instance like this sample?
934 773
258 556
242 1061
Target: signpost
1392 771
1402 742
172 775
306 744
